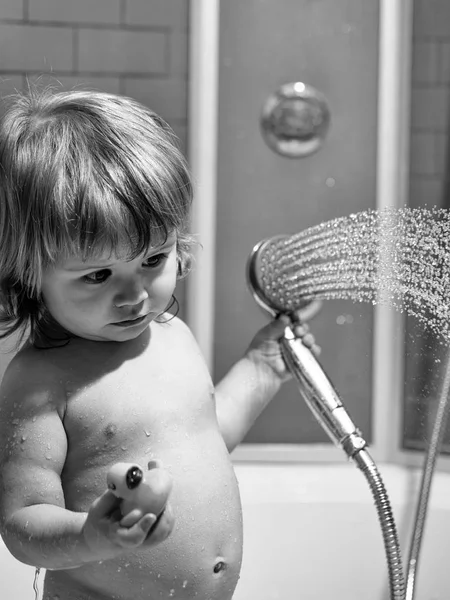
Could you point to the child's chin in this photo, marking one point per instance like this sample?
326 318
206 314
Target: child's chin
127 333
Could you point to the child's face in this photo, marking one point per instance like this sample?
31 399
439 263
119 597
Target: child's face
111 298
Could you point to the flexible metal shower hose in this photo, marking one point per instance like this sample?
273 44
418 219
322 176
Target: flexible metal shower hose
386 518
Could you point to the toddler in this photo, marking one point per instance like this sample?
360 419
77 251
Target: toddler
94 207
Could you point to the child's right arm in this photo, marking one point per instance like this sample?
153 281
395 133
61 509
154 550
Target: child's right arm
34 523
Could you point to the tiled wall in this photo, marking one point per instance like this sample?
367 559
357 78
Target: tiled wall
430 103
132 47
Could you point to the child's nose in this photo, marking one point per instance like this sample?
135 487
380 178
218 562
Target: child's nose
130 294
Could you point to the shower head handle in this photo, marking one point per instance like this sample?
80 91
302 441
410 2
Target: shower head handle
320 395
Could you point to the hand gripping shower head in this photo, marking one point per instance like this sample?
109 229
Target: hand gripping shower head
272 276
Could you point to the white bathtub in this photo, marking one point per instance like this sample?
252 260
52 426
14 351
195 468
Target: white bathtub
311 533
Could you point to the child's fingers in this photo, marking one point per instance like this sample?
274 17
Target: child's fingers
149 529
131 518
301 330
133 536
105 504
162 528
309 311
309 340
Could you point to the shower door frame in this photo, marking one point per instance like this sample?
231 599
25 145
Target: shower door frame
394 99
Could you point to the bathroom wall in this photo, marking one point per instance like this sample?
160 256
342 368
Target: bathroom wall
133 47
430 103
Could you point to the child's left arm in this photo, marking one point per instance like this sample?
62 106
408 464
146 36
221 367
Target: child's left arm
253 381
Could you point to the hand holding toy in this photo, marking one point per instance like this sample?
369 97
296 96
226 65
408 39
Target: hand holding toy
141 492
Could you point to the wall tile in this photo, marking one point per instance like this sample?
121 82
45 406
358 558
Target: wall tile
423 159
158 13
441 152
178 53
429 110
11 9
423 191
166 97
122 51
444 63
24 48
431 18
75 11
425 62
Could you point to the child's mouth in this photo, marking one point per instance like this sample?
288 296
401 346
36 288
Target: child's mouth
131 322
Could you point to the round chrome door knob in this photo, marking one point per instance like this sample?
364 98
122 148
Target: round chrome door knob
295 120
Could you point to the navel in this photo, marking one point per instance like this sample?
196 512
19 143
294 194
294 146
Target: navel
219 566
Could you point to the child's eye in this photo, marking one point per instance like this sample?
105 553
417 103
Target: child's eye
155 261
97 276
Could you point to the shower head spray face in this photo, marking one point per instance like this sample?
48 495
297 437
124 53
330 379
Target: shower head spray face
272 275
271 272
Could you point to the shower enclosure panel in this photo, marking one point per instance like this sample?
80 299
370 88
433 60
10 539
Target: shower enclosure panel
331 45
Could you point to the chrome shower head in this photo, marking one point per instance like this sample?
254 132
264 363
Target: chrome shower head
267 283
269 267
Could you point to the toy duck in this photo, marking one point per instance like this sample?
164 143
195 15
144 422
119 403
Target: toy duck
145 491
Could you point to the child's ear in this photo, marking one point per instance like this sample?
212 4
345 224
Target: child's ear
179 264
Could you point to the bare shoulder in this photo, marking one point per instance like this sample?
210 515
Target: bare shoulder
31 388
177 339
31 372
177 327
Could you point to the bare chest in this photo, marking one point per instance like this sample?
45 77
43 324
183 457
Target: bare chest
154 405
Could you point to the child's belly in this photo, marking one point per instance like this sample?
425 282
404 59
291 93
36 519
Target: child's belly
201 558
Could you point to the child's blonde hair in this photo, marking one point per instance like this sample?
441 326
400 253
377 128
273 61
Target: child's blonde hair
81 172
